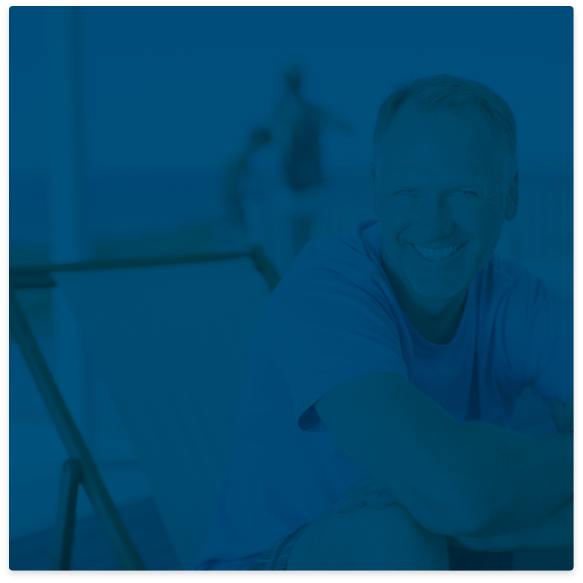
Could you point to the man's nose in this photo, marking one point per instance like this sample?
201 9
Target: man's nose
435 219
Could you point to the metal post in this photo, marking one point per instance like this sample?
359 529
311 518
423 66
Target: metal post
69 240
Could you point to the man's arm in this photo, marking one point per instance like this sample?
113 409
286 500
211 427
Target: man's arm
554 531
523 478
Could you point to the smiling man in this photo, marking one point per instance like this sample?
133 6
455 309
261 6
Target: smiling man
389 362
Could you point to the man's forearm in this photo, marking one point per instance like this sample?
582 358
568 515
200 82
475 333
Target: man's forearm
554 531
518 479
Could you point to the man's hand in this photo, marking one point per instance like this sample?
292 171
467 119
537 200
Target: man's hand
366 492
562 414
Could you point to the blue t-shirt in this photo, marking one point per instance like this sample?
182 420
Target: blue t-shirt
334 317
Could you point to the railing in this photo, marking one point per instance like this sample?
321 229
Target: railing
80 468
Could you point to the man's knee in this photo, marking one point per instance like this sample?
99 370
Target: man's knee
387 538
394 540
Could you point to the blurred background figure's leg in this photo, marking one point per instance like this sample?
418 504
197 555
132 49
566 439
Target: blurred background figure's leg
256 214
280 227
310 210
298 217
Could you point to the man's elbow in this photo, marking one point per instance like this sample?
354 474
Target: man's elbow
489 520
447 506
442 519
466 523
456 516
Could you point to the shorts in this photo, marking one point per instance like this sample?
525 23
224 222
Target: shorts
464 560
275 559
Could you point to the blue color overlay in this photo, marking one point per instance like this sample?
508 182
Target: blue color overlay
291 288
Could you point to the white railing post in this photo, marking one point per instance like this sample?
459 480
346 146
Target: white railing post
69 241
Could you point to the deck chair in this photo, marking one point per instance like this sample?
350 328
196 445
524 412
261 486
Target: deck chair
170 337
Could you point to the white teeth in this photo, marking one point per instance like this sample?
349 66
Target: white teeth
437 254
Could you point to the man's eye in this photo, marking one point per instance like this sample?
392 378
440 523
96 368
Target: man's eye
463 192
407 192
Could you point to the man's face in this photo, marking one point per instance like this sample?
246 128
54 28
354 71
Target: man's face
438 193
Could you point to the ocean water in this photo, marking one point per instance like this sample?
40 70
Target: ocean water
117 207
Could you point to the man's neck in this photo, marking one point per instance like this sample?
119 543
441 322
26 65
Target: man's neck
439 329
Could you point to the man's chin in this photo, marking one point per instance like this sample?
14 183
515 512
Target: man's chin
435 290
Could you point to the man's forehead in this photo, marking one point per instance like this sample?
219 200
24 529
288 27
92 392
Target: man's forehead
414 124
442 169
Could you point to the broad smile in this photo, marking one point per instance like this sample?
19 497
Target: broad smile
436 255
439 261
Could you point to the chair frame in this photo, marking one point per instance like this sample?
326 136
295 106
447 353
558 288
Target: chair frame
81 468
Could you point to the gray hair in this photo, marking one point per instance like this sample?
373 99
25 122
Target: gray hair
456 93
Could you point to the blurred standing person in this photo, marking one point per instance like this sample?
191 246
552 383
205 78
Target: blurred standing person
300 204
296 129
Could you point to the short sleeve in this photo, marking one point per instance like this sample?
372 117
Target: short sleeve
329 329
540 330
550 357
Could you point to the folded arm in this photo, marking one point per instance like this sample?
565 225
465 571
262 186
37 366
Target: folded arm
554 531
522 478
